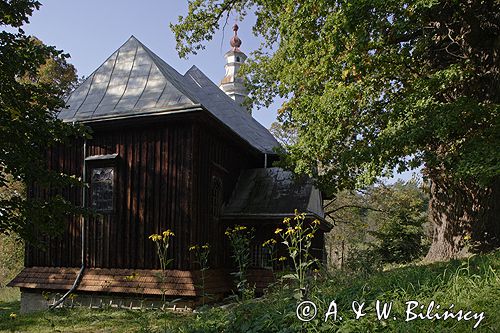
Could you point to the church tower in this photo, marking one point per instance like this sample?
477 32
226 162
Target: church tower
231 84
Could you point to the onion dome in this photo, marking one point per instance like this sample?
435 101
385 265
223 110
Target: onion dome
235 41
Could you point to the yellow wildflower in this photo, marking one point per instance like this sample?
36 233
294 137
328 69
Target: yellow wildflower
286 220
278 230
282 259
168 233
193 248
298 228
155 237
269 242
289 231
311 235
12 315
205 247
316 222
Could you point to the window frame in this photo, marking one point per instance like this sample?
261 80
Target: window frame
102 162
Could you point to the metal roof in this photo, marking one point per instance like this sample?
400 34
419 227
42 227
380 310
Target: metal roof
273 192
135 81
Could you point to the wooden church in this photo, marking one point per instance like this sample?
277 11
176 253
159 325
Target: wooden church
168 151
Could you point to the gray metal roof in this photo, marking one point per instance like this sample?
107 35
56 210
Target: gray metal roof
135 81
273 192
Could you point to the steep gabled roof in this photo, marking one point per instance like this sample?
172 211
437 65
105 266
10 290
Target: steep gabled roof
128 82
135 81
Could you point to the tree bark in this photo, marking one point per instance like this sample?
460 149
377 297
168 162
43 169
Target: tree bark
465 217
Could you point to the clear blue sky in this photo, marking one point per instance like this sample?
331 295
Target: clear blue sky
91 30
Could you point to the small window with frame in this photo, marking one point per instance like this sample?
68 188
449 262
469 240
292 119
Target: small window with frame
102 183
102 179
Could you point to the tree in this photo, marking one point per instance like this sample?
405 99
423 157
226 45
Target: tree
374 85
55 71
33 79
386 221
286 136
401 234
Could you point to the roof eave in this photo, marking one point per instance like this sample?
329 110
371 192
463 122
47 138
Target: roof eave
324 225
151 113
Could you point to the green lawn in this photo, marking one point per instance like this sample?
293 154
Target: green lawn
472 284
88 320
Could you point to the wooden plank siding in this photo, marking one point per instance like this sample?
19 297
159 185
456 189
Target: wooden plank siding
215 156
163 180
153 192
65 248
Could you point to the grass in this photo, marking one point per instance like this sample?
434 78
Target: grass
470 284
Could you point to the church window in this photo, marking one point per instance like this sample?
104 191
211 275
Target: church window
102 188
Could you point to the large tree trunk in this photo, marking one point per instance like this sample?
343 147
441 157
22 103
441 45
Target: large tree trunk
465 217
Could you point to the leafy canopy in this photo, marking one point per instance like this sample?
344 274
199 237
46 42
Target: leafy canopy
33 79
373 85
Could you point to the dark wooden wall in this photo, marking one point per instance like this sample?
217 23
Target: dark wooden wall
163 180
153 192
64 250
221 157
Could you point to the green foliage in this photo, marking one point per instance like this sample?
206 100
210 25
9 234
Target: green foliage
286 135
162 242
468 284
34 78
401 237
362 262
240 238
373 85
383 224
271 248
201 254
11 263
297 236
54 71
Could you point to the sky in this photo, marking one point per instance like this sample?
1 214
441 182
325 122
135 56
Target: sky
91 30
